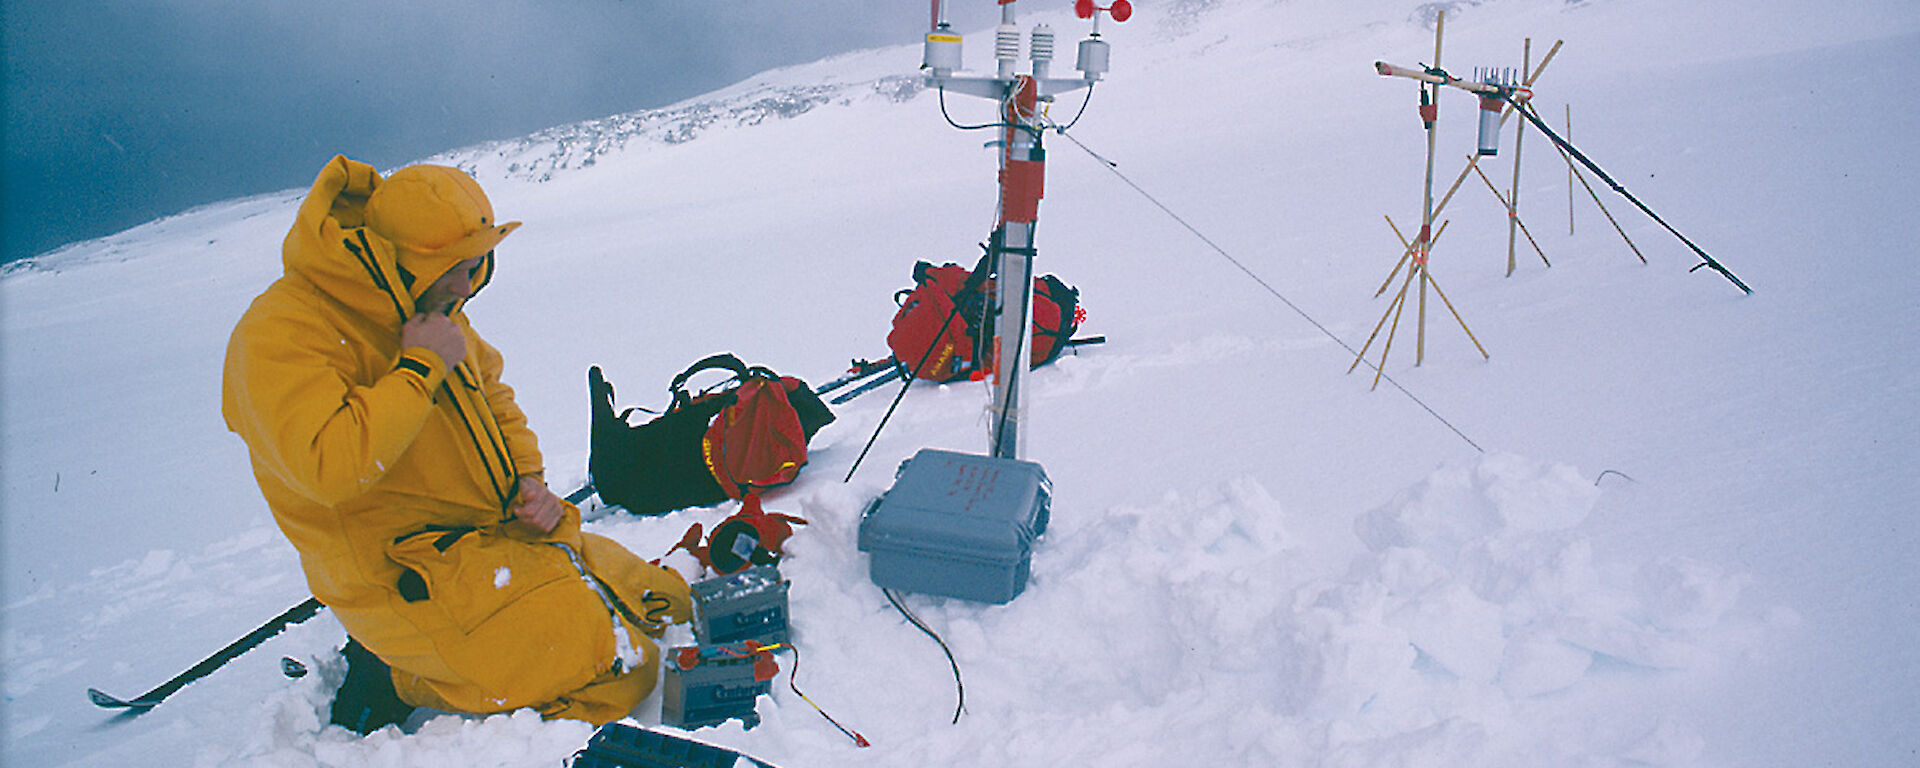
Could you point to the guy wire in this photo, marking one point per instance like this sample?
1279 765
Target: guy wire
1114 167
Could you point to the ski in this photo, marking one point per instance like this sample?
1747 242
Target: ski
858 370
866 386
893 374
299 613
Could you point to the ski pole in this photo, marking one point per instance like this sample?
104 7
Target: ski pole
1525 111
908 375
299 613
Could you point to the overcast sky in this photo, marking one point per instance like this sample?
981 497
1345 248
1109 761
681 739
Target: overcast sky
122 111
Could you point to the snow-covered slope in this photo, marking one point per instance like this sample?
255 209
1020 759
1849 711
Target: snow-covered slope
1676 532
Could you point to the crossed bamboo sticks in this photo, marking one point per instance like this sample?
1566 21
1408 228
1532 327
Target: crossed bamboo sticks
1414 254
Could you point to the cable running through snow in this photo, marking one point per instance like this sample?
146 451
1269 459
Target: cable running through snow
959 687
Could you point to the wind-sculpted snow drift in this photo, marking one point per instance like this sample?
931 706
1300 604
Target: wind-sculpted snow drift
1450 636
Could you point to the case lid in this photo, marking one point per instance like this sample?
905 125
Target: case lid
960 505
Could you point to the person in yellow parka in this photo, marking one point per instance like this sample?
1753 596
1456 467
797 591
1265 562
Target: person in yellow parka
396 461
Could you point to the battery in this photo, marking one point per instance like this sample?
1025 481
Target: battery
957 525
747 605
711 684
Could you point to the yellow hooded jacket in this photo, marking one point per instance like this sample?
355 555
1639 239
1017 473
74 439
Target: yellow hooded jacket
391 471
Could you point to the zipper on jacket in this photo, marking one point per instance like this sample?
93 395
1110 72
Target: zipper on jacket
364 254
373 271
506 498
626 655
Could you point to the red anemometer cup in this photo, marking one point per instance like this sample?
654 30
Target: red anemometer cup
1121 10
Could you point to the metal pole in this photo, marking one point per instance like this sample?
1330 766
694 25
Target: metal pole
1022 176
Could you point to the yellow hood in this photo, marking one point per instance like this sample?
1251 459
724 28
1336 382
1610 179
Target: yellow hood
375 244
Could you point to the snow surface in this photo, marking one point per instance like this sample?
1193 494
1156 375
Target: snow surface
1689 539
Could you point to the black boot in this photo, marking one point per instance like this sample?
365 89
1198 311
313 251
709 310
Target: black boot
366 701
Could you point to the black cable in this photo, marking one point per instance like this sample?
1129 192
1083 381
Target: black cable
906 378
793 675
959 687
943 113
1019 358
1035 132
1083 110
1111 166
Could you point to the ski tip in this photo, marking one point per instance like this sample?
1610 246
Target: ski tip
107 701
291 667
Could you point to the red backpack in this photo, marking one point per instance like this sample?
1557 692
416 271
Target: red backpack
940 320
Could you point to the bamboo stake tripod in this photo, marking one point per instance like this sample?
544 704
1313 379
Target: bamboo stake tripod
1416 254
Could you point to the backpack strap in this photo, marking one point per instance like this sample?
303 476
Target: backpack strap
1066 299
723 361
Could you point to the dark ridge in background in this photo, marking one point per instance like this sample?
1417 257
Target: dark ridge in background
119 112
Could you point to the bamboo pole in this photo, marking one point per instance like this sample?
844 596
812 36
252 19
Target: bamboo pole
1448 197
1437 232
1457 318
1408 250
1569 172
1551 52
1596 201
1420 329
1397 299
1513 216
1513 194
1387 349
1426 224
1394 70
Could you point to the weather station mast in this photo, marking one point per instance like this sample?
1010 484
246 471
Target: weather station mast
1022 176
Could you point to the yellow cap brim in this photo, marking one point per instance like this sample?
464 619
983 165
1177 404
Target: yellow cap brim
428 266
473 245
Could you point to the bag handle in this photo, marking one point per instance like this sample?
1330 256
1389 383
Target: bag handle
723 361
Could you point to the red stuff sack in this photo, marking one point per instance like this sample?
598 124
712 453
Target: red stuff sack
757 442
937 329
